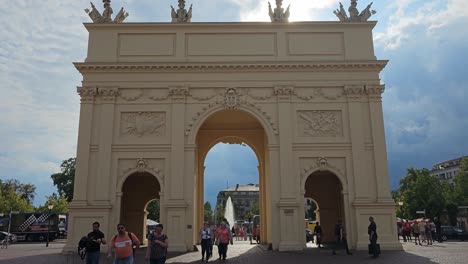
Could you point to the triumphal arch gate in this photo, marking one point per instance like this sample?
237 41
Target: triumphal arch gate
305 96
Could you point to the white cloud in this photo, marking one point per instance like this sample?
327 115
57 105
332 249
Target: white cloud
409 14
301 10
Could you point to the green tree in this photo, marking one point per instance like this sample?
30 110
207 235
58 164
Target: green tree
26 191
254 208
11 200
65 179
461 183
421 191
219 213
208 212
153 210
60 204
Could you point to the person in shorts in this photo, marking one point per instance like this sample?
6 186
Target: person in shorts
123 245
415 229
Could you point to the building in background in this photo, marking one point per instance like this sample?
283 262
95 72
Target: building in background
447 170
243 197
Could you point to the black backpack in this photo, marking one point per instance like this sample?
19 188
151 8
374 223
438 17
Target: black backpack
82 246
131 239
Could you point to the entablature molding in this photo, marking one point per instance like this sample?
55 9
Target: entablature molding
332 66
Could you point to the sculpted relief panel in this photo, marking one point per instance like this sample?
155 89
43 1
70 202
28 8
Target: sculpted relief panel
320 123
143 123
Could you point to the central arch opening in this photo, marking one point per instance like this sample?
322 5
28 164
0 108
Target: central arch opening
240 128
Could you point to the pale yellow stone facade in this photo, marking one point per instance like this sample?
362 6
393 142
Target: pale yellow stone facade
306 97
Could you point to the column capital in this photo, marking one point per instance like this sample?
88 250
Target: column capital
354 92
283 92
87 94
179 93
108 94
375 91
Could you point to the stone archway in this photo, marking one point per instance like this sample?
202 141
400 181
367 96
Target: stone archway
325 188
233 127
138 189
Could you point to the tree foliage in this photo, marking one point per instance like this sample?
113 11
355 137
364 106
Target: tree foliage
219 213
60 204
12 198
65 179
208 212
153 210
421 191
26 191
461 183
254 208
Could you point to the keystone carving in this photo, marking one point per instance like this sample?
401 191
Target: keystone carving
319 164
142 165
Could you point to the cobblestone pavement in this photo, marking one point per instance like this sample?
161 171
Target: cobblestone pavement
241 252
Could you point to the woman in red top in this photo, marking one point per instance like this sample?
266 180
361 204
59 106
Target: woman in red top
224 237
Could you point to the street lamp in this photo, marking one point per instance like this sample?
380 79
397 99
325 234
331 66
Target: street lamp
50 206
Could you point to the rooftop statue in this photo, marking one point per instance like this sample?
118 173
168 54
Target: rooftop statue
278 15
181 15
106 16
354 14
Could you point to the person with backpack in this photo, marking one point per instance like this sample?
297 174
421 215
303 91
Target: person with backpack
93 247
123 245
158 243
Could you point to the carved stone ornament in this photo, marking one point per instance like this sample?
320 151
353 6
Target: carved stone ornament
284 91
278 14
143 123
320 123
179 91
108 94
181 15
87 94
375 91
354 14
354 92
320 164
106 16
318 93
142 165
231 98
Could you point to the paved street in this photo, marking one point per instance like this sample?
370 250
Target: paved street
445 253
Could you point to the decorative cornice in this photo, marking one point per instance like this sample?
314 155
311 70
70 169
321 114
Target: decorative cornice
179 93
374 66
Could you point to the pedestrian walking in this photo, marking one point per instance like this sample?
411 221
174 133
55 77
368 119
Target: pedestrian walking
156 252
257 238
93 249
422 230
374 248
222 235
123 245
206 241
318 234
415 229
340 239
438 226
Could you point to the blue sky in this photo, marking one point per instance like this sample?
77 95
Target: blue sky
424 104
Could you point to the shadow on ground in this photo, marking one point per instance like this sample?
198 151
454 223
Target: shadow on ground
255 255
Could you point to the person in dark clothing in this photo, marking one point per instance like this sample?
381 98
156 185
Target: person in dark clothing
372 231
95 238
340 238
438 225
318 234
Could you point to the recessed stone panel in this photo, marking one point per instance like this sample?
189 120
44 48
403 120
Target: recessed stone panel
146 44
320 123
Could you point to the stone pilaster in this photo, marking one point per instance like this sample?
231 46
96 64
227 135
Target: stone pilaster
355 94
106 96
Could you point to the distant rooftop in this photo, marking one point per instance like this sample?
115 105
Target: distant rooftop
251 187
447 164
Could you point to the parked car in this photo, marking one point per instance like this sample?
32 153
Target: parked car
12 237
309 235
453 232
